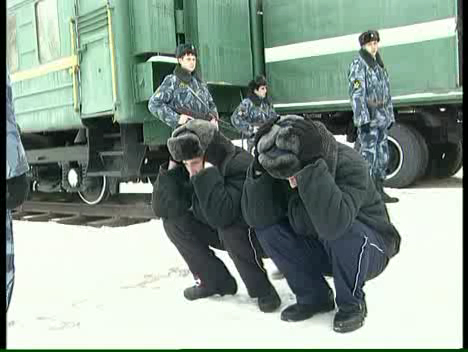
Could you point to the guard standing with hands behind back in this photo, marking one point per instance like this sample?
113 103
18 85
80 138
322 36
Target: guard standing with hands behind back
369 91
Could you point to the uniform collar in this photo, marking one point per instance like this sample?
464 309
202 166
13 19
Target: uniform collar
182 74
370 60
256 100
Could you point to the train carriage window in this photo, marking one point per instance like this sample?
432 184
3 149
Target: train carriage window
12 52
47 30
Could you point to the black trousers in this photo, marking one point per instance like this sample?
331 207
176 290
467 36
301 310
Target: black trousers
193 240
356 257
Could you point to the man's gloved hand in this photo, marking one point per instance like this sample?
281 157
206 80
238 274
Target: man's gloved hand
17 191
262 130
311 146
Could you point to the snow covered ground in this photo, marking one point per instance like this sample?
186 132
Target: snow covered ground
82 287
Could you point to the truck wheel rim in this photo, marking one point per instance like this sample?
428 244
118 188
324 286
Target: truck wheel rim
399 151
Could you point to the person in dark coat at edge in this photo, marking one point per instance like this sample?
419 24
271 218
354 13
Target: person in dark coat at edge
254 110
183 96
373 116
199 203
316 212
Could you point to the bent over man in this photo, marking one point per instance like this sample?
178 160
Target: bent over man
316 212
199 202
17 185
369 91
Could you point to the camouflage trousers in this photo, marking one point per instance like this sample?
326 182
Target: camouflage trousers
10 265
373 146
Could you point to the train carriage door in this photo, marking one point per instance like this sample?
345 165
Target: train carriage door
97 80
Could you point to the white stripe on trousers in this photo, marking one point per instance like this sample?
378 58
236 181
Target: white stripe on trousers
255 252
359 265
360 258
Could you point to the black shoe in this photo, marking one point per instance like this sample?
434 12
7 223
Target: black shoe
270 302
298 312
387 199
201 291
350 320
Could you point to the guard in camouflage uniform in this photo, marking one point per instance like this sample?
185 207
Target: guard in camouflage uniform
17 184
182 95
369 91
254 110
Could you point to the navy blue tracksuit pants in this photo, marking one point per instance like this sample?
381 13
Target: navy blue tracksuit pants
358 256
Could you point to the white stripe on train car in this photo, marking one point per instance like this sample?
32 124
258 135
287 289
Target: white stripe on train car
413 33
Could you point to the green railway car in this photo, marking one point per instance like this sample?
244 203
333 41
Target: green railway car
83 71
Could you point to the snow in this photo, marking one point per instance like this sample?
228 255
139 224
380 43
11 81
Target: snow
82 287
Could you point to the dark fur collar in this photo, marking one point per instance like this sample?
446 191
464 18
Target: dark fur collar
256 100
370 60
184 75
219 151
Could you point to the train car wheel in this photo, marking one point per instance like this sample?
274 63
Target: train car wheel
97 190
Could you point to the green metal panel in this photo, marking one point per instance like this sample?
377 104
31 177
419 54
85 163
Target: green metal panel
96 77
153 25
88 6
143 83
45 103
95 61
428 66
220 29
126 109
324 78
155 132
26 37
286 21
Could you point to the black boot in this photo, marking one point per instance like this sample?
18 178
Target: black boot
299 312
385 197
270 302
229 287
350 319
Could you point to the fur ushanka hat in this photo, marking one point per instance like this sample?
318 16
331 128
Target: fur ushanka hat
279 148
191 140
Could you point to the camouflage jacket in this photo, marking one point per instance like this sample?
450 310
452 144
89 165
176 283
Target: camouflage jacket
16 163
176 92
369 91
252 112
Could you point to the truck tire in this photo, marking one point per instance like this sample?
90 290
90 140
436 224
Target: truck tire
408 157
445 160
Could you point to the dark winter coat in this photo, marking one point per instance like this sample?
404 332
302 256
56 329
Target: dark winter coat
321 205
214 194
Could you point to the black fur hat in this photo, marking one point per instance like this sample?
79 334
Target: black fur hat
183 49
279 148
191 140
256 83
369 36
